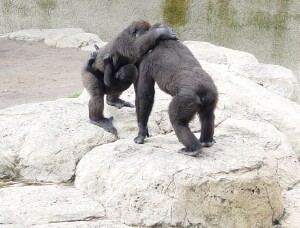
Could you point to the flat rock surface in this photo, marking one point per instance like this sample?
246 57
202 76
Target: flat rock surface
31 72
22 205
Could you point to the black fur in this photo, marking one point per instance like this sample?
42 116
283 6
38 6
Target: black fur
177 72
118 56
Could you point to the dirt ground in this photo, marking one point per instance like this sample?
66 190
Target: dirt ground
32 72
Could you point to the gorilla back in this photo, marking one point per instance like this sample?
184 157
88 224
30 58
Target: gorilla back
177 72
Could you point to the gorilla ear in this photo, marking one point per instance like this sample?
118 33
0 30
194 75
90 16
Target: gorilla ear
135 31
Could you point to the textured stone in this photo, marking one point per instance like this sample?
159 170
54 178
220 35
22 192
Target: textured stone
242 98
277 79
26 205
217 54
31 205
27 35
52 36
35 140
292 208
236 182
77 40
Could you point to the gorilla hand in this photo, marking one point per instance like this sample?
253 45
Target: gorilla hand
166 33
107 59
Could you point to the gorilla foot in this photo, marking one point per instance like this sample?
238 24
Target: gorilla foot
188 152
106 124
139 139
208 144
119 103
143 133
93 55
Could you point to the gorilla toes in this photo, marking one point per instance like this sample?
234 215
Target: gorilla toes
93 55
106 124
119 103
139 139
188 152
208 144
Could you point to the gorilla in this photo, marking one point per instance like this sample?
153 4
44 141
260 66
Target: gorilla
177 72
119 57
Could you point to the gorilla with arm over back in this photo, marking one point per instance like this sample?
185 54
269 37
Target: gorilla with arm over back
177 72
118 56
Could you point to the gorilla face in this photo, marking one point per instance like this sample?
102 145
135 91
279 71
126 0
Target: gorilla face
138 28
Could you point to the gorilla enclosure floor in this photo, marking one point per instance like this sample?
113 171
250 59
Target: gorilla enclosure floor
32 72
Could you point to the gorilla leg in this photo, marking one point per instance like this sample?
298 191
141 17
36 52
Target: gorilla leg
96 89
122 81
96 105
144 102
181 111
207 118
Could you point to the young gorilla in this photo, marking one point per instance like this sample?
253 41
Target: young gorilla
124 50
177 72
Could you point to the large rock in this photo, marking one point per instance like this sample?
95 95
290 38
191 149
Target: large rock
221 55
78 40
52 36
61 38
50 206
244 99
42 34
35 140
27 35
236 182
277 79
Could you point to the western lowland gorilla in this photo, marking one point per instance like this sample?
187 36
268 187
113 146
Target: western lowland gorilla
119 55
177 72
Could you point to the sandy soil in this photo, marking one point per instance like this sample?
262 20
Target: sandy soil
31 72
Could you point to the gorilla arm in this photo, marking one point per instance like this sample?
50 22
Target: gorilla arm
148 41
129 47
134 46
145 93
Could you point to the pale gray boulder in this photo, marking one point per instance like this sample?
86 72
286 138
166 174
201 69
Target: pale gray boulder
61 38
244 99
78 40
41 206
44 141
52 36
217 54
277 79
236 182
27 35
